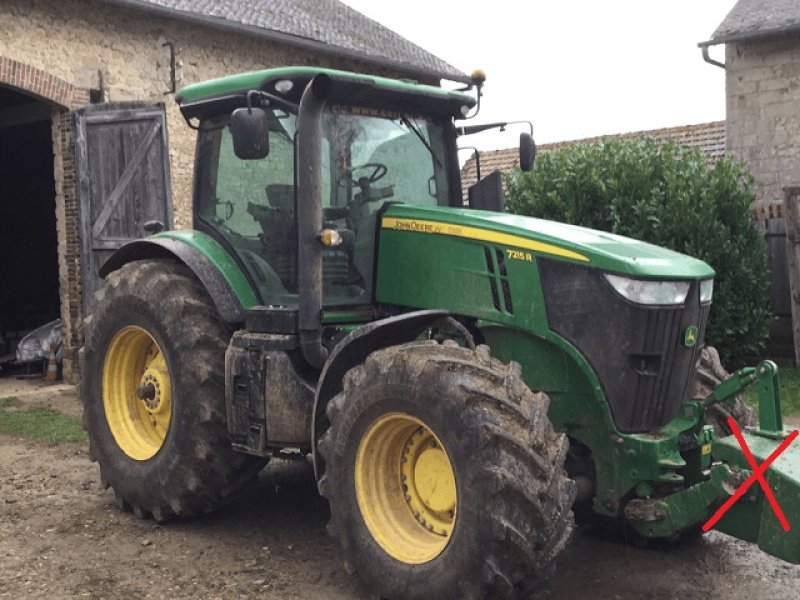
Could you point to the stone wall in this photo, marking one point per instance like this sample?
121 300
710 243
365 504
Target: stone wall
77 40
61 49
763 112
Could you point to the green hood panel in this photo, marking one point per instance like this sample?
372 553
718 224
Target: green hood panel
548 238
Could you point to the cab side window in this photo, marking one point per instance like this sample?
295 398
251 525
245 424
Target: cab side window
251 204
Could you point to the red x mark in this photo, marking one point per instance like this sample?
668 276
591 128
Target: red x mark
758 474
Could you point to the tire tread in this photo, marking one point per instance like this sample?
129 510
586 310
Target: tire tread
520 459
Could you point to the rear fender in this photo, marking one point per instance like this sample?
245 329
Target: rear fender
210 262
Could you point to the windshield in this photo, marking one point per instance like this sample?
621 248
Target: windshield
373 156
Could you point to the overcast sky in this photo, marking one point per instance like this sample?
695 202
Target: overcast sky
575 68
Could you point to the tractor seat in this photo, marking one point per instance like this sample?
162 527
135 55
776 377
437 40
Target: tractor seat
281 196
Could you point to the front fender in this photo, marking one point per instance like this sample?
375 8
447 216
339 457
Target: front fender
354 349
211 263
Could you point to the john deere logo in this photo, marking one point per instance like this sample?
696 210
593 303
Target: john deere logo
690 337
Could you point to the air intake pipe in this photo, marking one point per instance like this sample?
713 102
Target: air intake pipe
309 219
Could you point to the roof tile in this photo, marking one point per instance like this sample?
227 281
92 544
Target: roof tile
707 137
750 18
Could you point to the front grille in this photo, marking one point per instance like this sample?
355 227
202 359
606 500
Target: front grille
637 351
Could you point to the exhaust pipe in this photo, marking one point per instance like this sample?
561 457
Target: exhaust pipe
309 219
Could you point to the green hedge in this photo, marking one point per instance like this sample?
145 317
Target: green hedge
667 195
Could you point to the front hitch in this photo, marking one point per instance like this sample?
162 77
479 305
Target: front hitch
751 517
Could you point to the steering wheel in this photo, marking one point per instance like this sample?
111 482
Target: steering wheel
378 172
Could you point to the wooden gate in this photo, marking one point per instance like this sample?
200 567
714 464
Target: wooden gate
780 344
123 180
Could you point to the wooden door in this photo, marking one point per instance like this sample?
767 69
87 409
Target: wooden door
123 181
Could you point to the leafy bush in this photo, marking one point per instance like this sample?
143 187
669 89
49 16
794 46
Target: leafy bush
666 195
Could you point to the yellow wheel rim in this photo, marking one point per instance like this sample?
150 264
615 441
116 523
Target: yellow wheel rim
137 394
406 488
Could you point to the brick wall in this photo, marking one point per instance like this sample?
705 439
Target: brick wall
69 241
763 112
59 50
47 86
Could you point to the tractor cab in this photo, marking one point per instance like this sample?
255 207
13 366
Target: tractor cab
379 142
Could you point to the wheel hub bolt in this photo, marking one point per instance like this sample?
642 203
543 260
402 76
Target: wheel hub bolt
146 392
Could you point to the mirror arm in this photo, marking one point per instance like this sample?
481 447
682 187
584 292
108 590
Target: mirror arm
471 129
477 156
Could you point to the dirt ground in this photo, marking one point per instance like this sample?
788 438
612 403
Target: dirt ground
62 536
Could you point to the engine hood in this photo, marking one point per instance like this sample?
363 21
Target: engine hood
549 238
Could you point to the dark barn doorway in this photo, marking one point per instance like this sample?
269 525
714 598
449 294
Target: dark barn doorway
29 286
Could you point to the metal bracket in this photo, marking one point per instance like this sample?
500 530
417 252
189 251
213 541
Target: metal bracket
173 68
770 420
664 517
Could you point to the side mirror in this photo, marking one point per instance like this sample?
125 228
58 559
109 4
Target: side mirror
527 151
250 131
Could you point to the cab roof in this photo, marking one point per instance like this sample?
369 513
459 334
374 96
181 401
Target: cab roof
204 92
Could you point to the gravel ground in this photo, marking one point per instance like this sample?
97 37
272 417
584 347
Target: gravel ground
62 536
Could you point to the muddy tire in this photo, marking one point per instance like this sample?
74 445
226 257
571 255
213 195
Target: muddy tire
709 374
480 505
165 450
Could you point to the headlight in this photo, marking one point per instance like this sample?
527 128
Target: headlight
649 292
706 290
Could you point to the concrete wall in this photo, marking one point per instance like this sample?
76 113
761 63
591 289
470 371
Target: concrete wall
763 112
61 49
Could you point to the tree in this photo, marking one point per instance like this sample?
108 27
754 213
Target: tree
667 195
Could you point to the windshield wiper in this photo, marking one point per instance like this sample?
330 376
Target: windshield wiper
404 120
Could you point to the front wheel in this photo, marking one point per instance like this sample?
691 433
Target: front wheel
444 475
153 391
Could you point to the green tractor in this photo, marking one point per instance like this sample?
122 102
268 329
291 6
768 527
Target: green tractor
464 381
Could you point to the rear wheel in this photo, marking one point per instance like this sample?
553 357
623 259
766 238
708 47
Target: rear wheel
444 475
135 361
153 392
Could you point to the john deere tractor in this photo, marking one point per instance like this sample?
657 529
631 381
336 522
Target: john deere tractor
464 381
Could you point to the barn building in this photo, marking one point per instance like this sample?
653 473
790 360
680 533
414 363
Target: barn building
92 144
